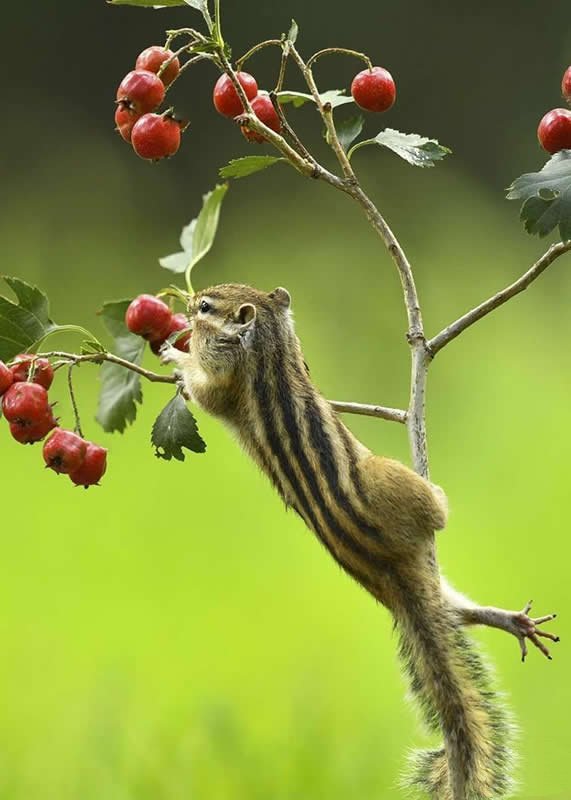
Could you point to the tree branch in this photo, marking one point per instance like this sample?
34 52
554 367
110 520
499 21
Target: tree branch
390 414
456 328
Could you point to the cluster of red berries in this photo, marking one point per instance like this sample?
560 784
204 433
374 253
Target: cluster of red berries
149 317
140 93
227 102
554 131
24 391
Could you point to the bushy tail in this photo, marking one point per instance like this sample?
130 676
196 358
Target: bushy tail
453 687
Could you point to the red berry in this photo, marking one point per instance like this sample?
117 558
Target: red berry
156 136
64 452
152 60
566 85
554 131
149 317
29 433
43 370
93 467
6 378
264 109
142 89
25 403
374 90
125 118
225 97
179 322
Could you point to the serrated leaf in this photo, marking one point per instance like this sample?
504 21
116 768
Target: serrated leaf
147 3
24 323
335 98
416 150
293 32
89 346
241 167
546 197
198 236
175 428
348 130
120 388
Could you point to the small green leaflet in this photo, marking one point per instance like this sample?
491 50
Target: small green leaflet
175 428
120 388
348 130
417 150
546 197
293 32
335 97
241 167
24 323
198 236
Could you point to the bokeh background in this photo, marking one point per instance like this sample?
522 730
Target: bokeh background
174 633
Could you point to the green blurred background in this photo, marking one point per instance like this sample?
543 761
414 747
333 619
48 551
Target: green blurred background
174 633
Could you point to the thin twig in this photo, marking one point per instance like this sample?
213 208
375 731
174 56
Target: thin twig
460 325
255 49
339 51
390 414
73 400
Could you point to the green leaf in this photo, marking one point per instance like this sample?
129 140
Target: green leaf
198 236
89 346
293 32
417 150
200 5
335 97
546 197
25 323
348 130
175 428
148 3
241 167
120 388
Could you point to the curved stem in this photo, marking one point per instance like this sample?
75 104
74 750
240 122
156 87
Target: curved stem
256 48
73 401
341 51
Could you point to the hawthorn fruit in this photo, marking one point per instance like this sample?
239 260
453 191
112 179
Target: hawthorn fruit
142 90
23 365
152 59
64 451
374 90
264 109
225 97
149 317
6 378
125 118
179 322
25 403
93 467
554 130
156 136
32 432
566 85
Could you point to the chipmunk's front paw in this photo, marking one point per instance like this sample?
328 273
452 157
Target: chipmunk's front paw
525 627
169 354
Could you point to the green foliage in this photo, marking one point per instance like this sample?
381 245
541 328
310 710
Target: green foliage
335 97
120 388
241 167
546 197
293 32
25 323
175 428
348 130
416 150
198 236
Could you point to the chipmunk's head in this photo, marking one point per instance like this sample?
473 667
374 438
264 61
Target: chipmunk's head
231 322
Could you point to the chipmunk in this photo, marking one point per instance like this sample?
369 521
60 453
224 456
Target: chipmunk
374 515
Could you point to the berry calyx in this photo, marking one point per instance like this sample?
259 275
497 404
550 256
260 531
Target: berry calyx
25 403
152 60
42 370
93 467
554 131
566 85
374 90
125 118
64 451
6 378
264 109
179 322
149 317
225 97
156 136
142 90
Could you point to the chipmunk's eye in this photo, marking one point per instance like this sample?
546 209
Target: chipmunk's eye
204 307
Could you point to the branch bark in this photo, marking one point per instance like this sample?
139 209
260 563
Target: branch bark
453 330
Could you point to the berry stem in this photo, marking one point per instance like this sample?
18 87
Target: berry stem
261 46
218 25
77 427
340 51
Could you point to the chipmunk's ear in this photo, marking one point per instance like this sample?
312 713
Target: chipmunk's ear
246 314
281 296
